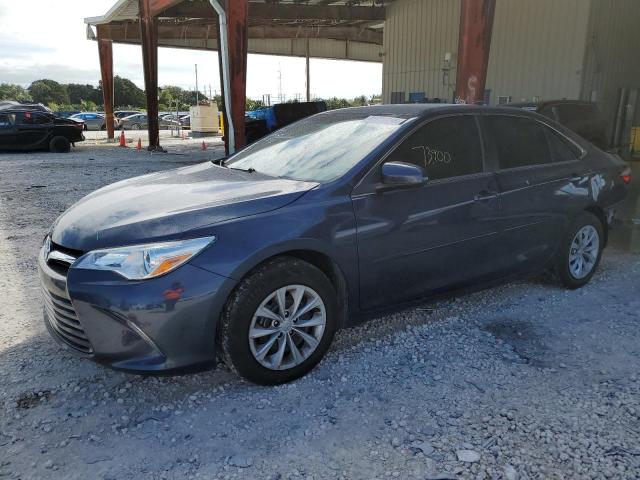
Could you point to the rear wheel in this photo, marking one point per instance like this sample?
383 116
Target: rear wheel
279 322
60 144
581 251
135 126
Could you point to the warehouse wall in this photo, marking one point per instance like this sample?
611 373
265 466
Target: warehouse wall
612 59
417 35
537 49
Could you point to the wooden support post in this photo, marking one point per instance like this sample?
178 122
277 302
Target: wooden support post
476 25
149 36
105 53
237 12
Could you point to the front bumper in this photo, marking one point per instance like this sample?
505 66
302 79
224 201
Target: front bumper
166 323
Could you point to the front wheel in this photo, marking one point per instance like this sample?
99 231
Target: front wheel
279 322
581 251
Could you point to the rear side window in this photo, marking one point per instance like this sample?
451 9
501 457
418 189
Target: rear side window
519 141
561 149
446 147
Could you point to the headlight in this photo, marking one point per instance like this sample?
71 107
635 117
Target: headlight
140 262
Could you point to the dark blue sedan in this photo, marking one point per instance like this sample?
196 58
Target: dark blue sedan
259 260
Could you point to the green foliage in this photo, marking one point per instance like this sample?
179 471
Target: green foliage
334 102
48 91
170 94
126 93
9 91
84 93
254 104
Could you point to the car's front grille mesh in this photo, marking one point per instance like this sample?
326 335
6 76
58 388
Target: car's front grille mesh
63 319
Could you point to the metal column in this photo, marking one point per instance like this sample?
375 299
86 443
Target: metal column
476 25
149 36
308 73
237 12
105 52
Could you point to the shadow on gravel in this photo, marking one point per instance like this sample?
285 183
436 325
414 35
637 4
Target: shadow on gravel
523 338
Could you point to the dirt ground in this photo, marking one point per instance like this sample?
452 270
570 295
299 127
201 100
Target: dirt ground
523 381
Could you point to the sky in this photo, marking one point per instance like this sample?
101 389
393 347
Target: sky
48 39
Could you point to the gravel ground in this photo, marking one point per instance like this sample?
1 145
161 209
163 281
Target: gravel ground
526 380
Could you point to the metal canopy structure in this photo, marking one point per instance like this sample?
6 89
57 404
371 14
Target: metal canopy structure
334 29
344 29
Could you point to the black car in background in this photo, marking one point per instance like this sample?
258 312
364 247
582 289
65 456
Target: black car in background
583 118
27 128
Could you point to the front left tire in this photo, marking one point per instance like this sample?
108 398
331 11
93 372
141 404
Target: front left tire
279 322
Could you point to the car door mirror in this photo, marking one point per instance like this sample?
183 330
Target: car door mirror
400 174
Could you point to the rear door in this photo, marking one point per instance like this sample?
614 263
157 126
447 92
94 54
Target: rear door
416 241
542 183
33 129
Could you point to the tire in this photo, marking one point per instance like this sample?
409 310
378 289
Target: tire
570 256
135 126
240 316
60 144
85 128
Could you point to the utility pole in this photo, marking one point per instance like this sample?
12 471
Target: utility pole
308 74
197 94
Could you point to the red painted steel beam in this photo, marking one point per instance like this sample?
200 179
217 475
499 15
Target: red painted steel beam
149 36
105 53
237 27
156 7
476 26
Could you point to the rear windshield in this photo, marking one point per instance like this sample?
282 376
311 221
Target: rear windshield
319 148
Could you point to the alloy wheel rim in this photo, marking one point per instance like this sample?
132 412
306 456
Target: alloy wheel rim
583 253
287 327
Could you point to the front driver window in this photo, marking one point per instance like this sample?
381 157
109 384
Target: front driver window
446 147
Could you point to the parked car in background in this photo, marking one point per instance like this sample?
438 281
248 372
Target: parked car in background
92 120
140 122
25 128
344 214
584 118
125 113
262 121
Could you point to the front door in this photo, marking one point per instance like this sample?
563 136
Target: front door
416 241
7 130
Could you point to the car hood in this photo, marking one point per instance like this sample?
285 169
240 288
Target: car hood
169 205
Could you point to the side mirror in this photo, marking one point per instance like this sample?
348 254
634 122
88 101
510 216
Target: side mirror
400 174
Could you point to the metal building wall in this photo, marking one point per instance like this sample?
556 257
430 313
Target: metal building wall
612 59
417 35
537 49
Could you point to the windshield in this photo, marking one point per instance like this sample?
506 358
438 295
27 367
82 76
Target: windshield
319 148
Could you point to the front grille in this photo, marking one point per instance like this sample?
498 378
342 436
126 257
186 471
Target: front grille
60 258
63 319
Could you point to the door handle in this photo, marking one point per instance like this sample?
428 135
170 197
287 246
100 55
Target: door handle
485 195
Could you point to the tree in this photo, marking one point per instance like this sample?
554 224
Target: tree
47 91
333 103
9 91
254 104
84 93
126 93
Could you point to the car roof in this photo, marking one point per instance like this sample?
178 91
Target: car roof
421 110
547 103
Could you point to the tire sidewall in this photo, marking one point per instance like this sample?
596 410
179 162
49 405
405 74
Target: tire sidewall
566 277
60 144
245 301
